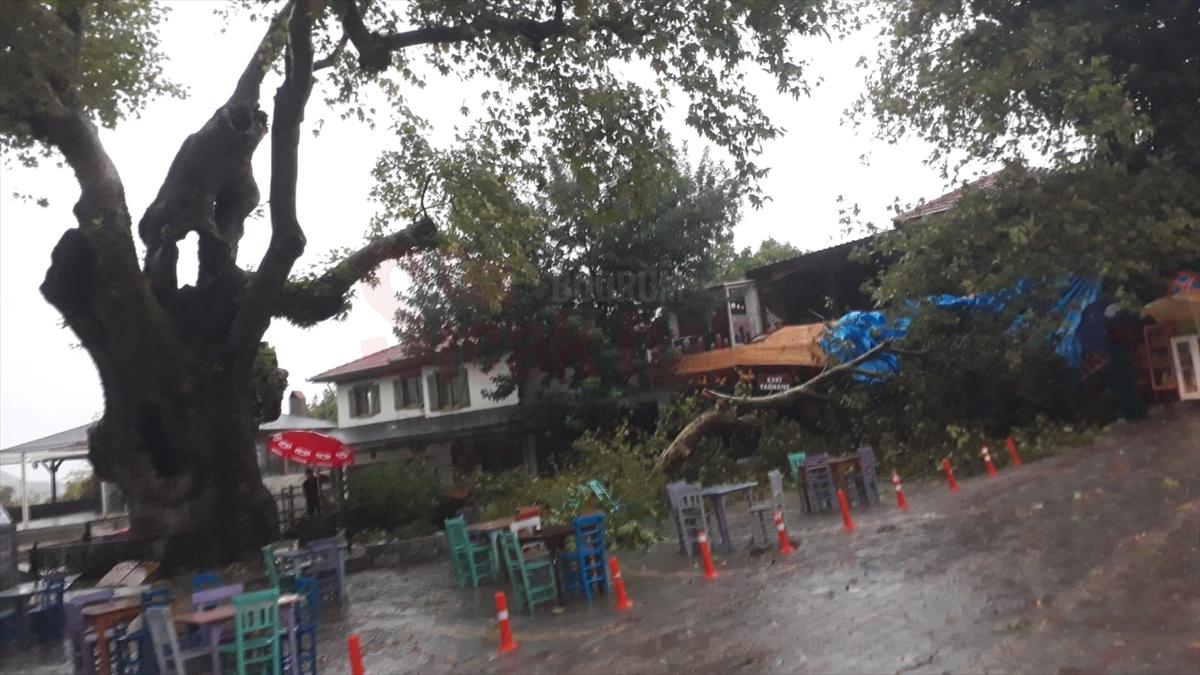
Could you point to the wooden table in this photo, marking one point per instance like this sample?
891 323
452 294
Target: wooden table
492 529
101 617
716 495
839 467
211 621
555 538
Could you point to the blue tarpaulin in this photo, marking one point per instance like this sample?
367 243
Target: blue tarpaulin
857 332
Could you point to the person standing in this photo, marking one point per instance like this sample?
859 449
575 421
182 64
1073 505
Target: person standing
312 492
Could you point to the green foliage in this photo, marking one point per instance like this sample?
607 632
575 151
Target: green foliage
621 461
393 495
1105 91
325 407
102 57
538 301
769 251
79 485
8 496
268 382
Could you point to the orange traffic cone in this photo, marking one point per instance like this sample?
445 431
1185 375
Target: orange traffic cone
847 521
949 475
987 462
356 665
506 636
1012 451
710 572
614 570
900 500
785 546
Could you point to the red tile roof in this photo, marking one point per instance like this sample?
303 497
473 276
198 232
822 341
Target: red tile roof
384 359
946 201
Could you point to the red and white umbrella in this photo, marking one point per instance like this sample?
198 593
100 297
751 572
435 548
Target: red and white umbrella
312 449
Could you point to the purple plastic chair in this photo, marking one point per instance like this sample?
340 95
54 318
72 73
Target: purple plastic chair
326 565
82 641
215 597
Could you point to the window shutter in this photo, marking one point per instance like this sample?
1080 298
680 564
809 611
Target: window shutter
462 398
432 388
398 394
373 397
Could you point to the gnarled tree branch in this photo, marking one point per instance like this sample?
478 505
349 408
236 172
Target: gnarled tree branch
210 187
305 302
287 237
375 49
685 441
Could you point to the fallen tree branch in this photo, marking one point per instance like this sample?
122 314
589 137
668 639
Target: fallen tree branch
686 440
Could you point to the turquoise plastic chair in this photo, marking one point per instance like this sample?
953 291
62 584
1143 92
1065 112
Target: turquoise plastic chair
795 461
471 559
601 493
533 581
256 632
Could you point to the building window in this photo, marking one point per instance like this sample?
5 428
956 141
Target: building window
406 391
364 400
448 390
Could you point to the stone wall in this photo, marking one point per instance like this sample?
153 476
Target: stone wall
393 553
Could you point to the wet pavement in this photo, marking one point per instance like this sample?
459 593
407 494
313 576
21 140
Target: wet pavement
1088 562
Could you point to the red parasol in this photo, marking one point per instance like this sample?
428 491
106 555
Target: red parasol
311 448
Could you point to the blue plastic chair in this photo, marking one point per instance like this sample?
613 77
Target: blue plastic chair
135 649
587 566
308 614
205 580
47 615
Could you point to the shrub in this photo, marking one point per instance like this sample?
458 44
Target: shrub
393 494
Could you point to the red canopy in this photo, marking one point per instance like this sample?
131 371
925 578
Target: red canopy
311 448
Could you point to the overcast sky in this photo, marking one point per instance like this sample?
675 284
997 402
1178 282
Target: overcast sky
48 384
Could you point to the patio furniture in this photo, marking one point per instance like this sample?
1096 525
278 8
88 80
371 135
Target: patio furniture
271 567
215 597
472 560
129 573
256 632
326 564
587 565
205 580
210 623
690 517
601 493
762 513
46 615
15 622
716 494
169 657
796 464
491 529
554 539
533 581
134 651
308 613
80 642
818 480
105 616
868 487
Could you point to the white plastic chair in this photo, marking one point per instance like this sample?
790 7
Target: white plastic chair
167 653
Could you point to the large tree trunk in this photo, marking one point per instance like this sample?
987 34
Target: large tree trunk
186 379
185 462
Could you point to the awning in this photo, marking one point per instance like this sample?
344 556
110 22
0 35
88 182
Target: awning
789 346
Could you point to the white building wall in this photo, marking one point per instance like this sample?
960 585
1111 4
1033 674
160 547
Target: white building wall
478 382
387 403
